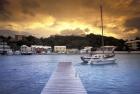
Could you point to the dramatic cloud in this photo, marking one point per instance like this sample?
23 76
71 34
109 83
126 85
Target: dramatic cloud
133 26
7 33
133 23
11 33
48 17
4 13
76 31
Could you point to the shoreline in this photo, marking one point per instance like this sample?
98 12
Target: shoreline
99 52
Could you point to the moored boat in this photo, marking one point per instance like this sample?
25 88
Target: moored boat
107 55
99 58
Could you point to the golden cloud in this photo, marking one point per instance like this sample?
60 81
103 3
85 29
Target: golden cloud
48 17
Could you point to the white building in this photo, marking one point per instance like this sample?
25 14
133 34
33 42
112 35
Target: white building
4 48
72 51
134 45
60 49
26 50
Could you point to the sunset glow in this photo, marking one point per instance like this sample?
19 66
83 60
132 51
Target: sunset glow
43 18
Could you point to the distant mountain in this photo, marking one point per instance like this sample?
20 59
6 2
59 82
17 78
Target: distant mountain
6 33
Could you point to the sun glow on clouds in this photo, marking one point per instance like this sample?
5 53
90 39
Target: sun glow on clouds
41 23
49 26
50 17
55 27
44 26
72 25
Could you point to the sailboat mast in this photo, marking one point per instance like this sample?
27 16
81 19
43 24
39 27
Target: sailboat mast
102 25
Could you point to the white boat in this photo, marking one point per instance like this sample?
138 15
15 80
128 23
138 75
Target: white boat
106 56
103 61
101 58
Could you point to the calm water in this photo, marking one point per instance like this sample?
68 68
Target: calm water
29 74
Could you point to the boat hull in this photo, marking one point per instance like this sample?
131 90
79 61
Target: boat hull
85 60
102 61
26 53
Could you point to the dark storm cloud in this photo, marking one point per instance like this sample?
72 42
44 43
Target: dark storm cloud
24 11
4 13
68 8
133 23
62 8
6 33
29 7
135 3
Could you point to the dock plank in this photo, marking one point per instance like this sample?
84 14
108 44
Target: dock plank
64 81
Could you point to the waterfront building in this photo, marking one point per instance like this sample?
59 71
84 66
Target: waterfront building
19 37
5 48
17 52
134 45
26 50
39 49
72 51
60 49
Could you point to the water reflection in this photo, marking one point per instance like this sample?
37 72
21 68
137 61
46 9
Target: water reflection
120 78
29 74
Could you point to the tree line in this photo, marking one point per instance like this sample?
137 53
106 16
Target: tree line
70 41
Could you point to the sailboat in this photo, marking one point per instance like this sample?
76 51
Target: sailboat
107 55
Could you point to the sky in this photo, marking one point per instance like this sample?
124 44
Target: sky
43 18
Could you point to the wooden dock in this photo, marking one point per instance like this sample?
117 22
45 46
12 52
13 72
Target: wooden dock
64 81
